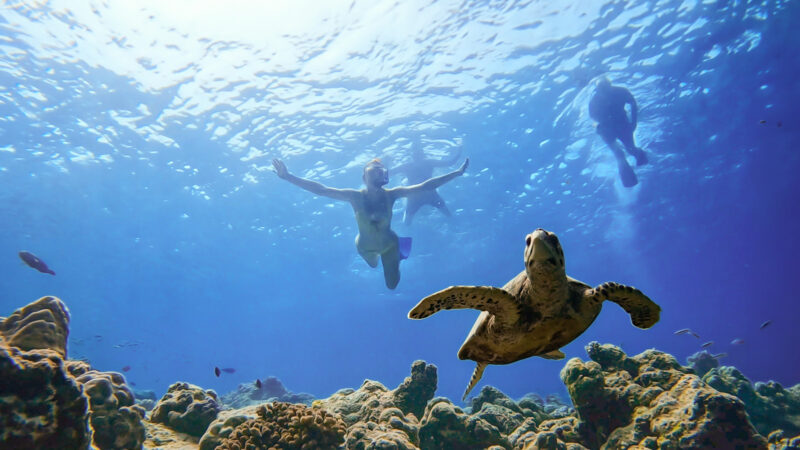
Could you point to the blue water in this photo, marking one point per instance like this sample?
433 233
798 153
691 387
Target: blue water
136 145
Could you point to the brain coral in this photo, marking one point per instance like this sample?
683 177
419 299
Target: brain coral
186 408
43 324
287 426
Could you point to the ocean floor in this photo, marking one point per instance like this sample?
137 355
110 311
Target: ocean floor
646 401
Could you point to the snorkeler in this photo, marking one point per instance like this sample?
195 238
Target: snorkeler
607 107
418 170
373 209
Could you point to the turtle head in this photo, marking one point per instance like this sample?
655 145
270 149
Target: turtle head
543 255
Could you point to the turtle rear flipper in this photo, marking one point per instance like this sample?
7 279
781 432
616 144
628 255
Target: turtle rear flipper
483 298
476 376
644 312
555 354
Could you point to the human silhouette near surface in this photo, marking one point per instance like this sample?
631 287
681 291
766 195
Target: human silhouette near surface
607 108
373 210
419 169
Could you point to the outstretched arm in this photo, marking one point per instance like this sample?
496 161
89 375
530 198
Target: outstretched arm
429 184
312 186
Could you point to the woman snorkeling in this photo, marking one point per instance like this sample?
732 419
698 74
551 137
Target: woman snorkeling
373 209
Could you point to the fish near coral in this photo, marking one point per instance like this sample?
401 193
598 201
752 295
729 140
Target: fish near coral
33 261
535 313
216 371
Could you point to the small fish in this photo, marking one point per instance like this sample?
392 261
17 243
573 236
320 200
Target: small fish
737 341
229 370
216 371
707 344
132 383
762 121
32 261
258 383
720 355
687 331
765 324
126 368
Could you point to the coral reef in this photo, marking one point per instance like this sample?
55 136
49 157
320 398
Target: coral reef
41 406
271 390
620 401
374 413
446 426
186 408
770 406
288 426
778 441
115 420
624 401
43 324
701 362
222 427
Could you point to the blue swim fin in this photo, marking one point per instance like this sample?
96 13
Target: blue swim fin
404 245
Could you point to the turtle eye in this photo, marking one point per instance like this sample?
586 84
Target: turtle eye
528 240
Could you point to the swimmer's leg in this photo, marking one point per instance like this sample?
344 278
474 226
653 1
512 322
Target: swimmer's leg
391 267
632 149
626 173
370 257
441 205
413 204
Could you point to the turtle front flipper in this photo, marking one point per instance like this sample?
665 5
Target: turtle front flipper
483 298
644 312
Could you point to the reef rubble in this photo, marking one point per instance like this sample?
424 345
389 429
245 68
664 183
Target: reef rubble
646 401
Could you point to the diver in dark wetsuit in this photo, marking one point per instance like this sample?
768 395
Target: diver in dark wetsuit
607 108
373 209
418 170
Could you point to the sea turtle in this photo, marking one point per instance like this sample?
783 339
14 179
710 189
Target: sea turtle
537 312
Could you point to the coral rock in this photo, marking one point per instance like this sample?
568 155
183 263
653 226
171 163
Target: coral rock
271 390
286 426
650 400
770 406
222 427
186 408
114 418
43 324
41 406
446 426
415 391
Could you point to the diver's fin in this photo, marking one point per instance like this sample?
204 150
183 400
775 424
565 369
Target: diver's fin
476 376
483 298
555 354
404 246
627 175
644 312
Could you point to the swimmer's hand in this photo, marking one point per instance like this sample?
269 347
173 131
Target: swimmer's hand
280 168
463 167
